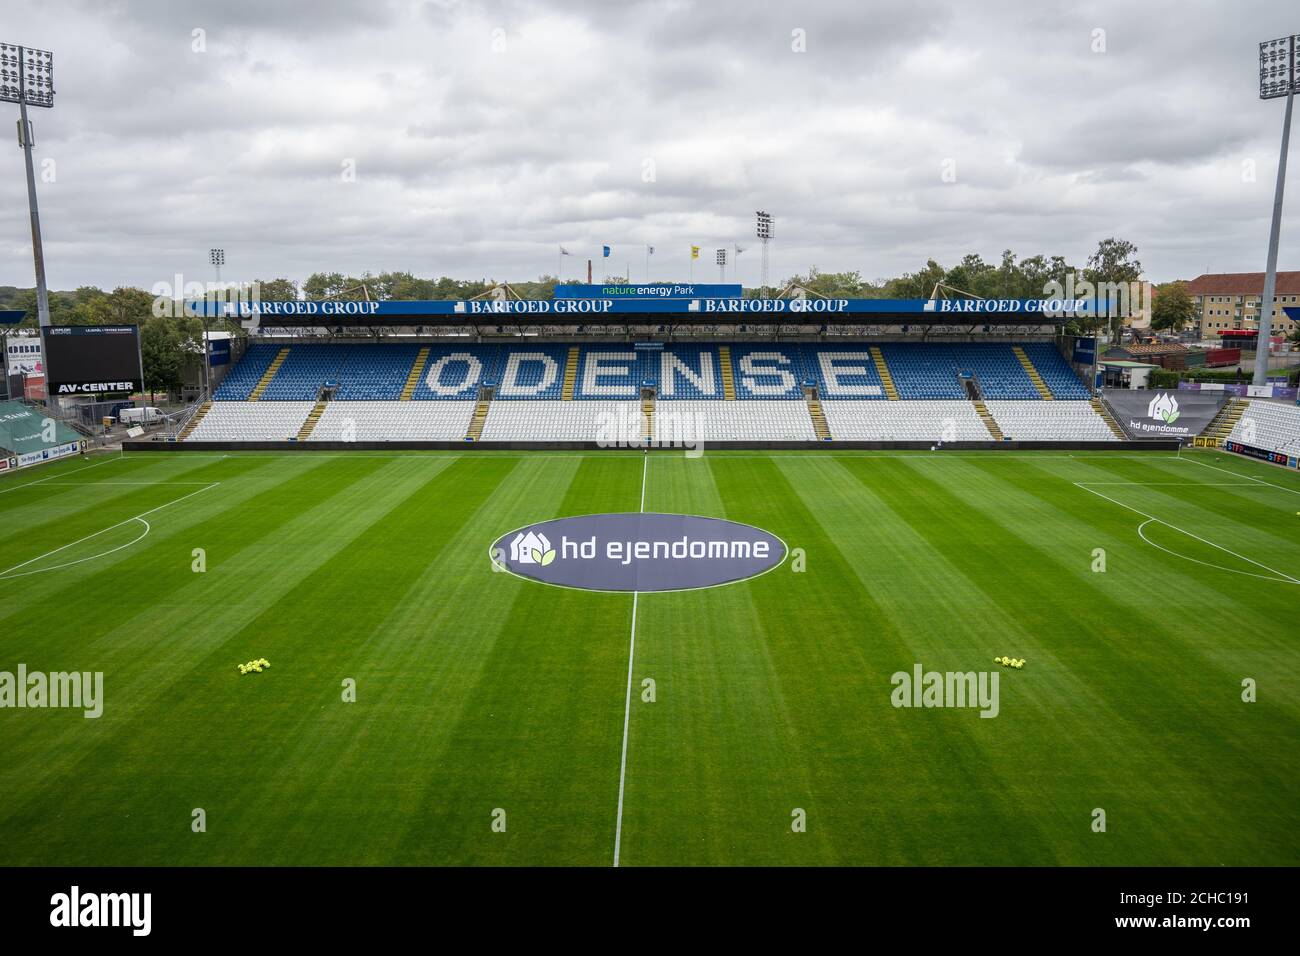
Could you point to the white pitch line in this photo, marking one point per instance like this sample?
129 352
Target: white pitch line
74 471
8 572
627 704
1239 474
1171 484
1281 576
124 484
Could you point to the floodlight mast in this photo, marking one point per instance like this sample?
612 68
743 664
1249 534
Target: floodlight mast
218 259
1278 76
764 233
27 77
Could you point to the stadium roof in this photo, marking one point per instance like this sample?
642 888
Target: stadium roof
621 312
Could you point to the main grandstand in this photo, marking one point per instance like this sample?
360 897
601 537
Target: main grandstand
862 375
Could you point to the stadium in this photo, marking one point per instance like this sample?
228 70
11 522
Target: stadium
937 495
987 567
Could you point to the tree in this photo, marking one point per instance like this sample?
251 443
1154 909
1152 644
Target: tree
1173 307
1114 261
278 290
161 355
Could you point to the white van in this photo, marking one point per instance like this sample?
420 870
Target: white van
140 416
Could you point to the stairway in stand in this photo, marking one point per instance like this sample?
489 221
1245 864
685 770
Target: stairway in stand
728 377
647 416
413 379
313 417
1043 391
817 414
988 420
1220 427
269 374
193 423
1100 408
570 374
475 431
882 369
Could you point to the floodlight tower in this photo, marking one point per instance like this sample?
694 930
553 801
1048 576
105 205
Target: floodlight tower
27 78
722 265
1279 75
218 259
764 233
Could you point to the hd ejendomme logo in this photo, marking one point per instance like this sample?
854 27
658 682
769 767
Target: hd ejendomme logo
1163 407
637 551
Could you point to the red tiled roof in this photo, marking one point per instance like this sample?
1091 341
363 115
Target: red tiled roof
1242 283
1164 348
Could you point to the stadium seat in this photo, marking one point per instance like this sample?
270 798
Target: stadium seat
549 420
685 422
1269 425
1049 421
921 420
393 421
251 421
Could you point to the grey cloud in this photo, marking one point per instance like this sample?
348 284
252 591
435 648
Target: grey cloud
473 162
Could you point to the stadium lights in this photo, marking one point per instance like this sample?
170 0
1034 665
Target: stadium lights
1279 75
764 234
721 259
27 78
218 259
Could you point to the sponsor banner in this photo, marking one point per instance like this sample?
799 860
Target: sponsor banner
23 355
637 552
1151 413
1014 311
7 463
1242 390
48 454
1263 454
652 290
218 352
1085 351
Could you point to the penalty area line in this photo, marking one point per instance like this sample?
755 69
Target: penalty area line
8 572
627 703
1280 576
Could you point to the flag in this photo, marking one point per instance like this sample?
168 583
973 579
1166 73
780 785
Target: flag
649 250
695 252
605 251
739 249
565 252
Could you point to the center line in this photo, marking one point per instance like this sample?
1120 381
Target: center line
627 706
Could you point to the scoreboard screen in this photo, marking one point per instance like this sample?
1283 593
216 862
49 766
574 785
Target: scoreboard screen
92 359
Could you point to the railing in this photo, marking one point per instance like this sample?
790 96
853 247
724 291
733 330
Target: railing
176 423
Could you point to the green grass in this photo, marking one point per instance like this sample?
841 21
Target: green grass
478 690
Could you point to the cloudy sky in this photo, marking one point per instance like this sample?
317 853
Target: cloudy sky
471 139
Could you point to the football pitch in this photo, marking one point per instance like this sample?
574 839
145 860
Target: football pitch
501 721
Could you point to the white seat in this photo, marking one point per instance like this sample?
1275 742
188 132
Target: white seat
1034 420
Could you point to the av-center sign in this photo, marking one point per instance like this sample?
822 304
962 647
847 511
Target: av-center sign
92 359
